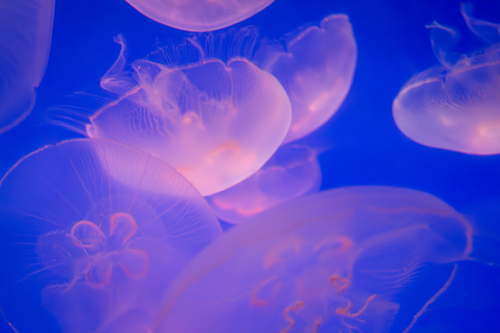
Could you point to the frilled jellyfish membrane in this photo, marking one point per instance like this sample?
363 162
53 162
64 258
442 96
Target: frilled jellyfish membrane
214 122
25 34
327 262
97 250
293 171
455 106
199 15
316 69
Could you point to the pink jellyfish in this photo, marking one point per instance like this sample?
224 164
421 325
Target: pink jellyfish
327 262
199 15
25 34
316 69
215 122
455 106
100 251
293 171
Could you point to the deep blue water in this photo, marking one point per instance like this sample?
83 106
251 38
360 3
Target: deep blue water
365 146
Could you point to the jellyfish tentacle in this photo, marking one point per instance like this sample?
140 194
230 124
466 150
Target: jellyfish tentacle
295 307
345 311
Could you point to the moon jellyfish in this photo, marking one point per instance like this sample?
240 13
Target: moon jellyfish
199 15
316 69
25 34
455 106
293 171
97 251
328 262
214 122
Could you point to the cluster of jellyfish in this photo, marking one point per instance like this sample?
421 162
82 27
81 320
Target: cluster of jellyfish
119 232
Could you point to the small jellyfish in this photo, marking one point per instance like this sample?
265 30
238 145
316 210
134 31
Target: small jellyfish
199 15
316 69
97 251
328 262
455 106
215 122
25 35
293 171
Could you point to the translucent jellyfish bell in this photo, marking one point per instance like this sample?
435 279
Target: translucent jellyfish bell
455 106
199 15
214 122
99 251
327 262
25 34
293 171
316 69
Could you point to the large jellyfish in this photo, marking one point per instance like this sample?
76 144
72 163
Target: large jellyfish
455 106
97 251
25 35
199 15
293 171
328 262
214 122
316 69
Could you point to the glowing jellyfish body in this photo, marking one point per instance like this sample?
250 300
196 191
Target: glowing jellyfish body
316 69
25 34
214 122
455 106
104 248
199 15
327 262
293 171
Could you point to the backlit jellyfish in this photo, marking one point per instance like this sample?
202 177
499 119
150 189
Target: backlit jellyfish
199 15
25 34
293 171
328 262
216 123
316 69
455 106
97 251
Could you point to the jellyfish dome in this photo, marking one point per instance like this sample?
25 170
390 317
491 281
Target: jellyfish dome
316 69
215 122
94 251
25 35
328 262
293 171
455 106
199 15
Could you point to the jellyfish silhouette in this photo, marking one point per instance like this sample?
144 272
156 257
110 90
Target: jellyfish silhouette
25 34
316 69
96 250
199 15
293 171
330 261
455 106
214 122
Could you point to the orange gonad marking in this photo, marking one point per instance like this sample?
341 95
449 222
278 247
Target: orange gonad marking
297 306
345 311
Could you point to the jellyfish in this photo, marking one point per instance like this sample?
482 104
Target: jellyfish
455 106
199 15
316 69
215 122
293 171
328 262
95 251
25 34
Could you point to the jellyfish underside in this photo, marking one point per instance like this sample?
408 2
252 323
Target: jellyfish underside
455 106
328 261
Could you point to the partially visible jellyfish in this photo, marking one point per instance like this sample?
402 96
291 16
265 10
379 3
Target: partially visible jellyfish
293 171
214 122
199 15
328 262
316 69
455 106
99 252
25 35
